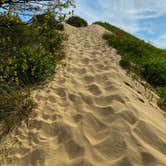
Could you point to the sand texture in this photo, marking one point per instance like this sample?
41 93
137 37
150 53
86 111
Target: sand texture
91 114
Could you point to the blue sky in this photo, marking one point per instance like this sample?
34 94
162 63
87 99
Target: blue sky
143 18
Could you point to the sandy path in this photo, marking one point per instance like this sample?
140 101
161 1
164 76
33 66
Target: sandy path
91 114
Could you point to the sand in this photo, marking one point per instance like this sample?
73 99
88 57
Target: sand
91 114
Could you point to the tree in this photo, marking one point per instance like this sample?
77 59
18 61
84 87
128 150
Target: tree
28 7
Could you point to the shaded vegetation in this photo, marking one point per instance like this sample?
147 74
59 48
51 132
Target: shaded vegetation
140 57
29 54
48 19
15 105
77 21
162 100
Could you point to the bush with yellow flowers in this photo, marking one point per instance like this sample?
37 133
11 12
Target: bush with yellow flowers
29 53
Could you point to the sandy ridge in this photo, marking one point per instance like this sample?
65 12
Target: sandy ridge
91 114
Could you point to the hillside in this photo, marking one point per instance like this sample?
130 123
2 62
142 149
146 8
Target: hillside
141 58
91 114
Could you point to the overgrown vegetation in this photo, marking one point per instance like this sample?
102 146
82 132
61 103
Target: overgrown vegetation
29 54
77 21
15 105
141 58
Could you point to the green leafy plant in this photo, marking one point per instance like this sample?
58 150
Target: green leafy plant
47 19
77 21
162 100
34 58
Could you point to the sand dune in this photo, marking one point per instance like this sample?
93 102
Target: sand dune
91 114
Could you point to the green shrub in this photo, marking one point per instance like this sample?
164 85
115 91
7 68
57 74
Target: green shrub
34 66
139 57
77 21
154 71
47 19
125 63
162 100
15 105
30 53
9 20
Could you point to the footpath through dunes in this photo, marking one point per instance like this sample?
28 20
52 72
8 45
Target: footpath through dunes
91 114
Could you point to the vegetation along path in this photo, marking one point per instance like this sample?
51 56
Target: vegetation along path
91 113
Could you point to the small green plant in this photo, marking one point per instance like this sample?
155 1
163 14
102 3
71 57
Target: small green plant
77 21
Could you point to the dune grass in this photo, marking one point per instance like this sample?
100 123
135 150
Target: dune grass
140 57
15 105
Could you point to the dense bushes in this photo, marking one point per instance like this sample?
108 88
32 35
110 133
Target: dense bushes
154 70
162 101
77 21
140 57
48 19
28 54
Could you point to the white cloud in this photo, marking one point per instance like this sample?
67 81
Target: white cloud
126 14
152 8
86 11
160 41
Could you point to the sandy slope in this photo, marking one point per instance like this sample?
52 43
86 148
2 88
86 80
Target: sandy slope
91 114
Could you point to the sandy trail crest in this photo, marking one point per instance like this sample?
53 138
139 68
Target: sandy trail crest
91 114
